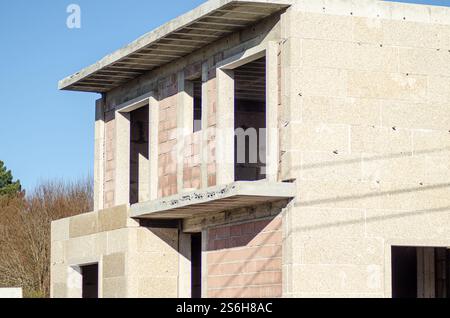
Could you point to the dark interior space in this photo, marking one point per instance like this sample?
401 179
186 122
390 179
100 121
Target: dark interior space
250 116
196 265
197 88
420 272
90 281
442 259
139 148
404 272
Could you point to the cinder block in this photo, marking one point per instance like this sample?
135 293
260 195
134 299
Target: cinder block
419 223
375 58
338 279
154 264
58 254
438 91
328 166
338 194
411 34
415 115
60 230
316 223
119 241
158 287
59 291
363 84
424 61
81 250
319 137
380 140
419 169
318 82
324 53
329 250
348 111
83 225
368 30
114 265
113 219
431 141
320 26
115 287
59 274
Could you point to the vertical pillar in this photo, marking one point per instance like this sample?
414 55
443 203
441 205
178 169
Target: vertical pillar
99 153
272 134
225 127
153 112
123 158
205 123
185 122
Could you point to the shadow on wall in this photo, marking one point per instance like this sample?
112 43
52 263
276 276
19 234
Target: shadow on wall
323 203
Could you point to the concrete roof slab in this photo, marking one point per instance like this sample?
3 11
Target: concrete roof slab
215 199
175 39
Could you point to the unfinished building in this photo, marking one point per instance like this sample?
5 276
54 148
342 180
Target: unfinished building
269 148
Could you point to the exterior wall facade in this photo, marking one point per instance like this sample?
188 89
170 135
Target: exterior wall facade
133 261
363 119
367 139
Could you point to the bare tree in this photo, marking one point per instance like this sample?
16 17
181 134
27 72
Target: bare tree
25 232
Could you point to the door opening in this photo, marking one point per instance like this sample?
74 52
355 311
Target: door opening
420 272
89 275
196 265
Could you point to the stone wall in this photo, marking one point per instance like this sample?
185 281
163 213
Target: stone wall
366 110
133 261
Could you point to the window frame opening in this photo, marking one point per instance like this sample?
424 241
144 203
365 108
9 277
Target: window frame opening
250 120
197 108
139 152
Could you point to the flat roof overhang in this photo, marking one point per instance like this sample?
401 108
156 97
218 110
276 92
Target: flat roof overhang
175 39
216 199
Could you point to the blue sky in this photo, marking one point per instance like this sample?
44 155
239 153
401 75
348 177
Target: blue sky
48 134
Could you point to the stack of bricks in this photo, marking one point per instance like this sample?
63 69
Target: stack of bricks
192 176
245 260
110 162
167 156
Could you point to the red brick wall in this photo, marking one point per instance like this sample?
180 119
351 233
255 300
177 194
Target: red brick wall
167 165
245 260
192 171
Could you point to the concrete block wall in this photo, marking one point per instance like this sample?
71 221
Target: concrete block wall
133 261
366 112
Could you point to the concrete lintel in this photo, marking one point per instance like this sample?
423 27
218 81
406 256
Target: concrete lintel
215 199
